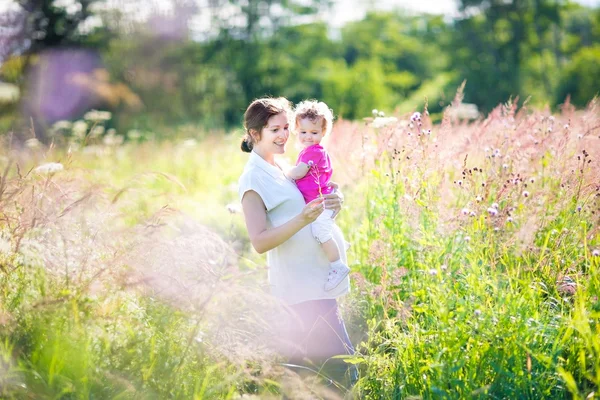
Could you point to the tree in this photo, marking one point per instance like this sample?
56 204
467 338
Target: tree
494 40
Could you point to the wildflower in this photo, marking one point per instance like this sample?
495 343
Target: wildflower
97 131
465 211
525 193
381 114
578 208
467 239
477 313
97 116
551 119
443 267
549 129
459 182
32 143
433 272
62 125
380 122
134 134
509 220
113 140
49 168
596 253
566 127
495 205
80 129
492 211
472 214
5 246
505 166
375 112
580 136
532 180
479 199
416 117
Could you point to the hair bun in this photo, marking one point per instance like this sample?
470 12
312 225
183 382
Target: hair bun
246 144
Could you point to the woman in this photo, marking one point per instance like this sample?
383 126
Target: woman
278 222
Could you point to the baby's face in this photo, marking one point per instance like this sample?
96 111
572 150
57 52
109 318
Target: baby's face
310 132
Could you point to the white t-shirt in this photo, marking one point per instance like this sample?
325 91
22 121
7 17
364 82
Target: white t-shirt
298 267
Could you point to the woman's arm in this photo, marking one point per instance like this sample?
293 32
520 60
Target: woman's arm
334 200
264 239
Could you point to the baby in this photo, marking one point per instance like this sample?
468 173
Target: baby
313 120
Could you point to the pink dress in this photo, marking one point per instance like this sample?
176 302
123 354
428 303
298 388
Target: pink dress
318 175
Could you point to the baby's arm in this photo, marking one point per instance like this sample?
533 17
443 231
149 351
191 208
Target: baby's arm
299 171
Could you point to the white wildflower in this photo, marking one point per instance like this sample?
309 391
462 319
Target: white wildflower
49 168
5 246
80 129
62 125
32 143
113 140
465 211
97 116
495 205
492 211
479 199
134 134
596 253
433 272
375 112
381 114
525 193
477 313
380 122
98 130
416 116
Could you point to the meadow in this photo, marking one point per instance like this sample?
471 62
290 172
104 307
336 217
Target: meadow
126 271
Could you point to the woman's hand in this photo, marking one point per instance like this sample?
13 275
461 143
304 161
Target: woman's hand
312 210
334 200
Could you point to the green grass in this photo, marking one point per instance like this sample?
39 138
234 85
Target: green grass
444 305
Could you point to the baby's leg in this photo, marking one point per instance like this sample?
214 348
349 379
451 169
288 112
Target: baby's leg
331 250
322 231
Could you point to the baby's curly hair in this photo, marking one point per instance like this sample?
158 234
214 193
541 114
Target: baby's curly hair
313 110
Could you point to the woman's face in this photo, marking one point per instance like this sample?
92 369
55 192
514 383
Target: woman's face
274 135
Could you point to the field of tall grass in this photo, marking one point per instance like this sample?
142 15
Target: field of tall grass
126 271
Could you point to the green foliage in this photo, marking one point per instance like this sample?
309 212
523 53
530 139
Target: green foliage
580 76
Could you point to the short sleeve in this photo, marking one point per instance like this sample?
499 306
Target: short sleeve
249 181
314 153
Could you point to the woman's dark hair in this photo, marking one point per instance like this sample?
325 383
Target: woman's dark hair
256 117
